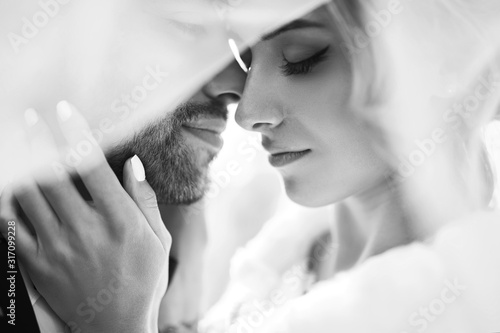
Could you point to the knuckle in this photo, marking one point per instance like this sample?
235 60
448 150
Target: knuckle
120 231
22 190
168 239
152 204
4 218
51 186
150 200
7 214
60 257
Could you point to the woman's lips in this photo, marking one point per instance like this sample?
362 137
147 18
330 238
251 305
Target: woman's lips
282 159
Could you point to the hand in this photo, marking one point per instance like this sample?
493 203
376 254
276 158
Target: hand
101 266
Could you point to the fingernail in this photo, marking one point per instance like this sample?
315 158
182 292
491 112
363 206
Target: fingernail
64 110
138 168
31 117
237 54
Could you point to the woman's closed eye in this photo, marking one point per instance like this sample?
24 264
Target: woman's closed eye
305 66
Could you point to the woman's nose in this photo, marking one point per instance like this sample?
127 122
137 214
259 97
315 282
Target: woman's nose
258 109
227 86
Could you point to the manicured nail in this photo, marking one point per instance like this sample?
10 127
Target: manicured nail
138 168
237 55
31 117
64 110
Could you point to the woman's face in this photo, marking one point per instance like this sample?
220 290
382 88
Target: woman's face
297 96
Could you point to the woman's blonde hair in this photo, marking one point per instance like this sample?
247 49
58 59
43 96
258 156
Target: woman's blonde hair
408 76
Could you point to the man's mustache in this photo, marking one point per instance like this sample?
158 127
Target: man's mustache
190 111
163 134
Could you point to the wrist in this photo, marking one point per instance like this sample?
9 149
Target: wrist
122 326
132 320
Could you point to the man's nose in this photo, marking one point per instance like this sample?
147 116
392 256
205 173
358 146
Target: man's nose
227 86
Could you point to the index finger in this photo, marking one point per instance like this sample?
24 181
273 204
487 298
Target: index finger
87 158
10 221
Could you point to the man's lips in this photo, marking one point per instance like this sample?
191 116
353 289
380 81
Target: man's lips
207 129
216 125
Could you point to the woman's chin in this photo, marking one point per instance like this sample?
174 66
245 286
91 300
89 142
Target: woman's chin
308 194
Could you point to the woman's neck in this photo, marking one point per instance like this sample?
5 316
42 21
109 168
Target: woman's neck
368 224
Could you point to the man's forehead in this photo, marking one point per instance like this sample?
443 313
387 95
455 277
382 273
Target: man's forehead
198 12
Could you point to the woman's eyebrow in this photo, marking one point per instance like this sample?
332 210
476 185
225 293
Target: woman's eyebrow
297 24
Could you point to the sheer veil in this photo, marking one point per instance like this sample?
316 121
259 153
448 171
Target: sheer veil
426 84
100 55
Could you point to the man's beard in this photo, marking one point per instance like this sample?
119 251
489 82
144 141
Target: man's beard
172 168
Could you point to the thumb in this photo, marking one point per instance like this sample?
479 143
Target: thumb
136 185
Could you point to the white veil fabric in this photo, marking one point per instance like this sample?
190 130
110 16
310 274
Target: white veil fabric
428 56
443 61
122 63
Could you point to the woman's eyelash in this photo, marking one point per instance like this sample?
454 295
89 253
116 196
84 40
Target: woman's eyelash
304 66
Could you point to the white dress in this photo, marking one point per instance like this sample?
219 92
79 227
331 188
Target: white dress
451 284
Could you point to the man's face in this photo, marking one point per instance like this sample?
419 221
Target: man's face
176 151
177 148
122 63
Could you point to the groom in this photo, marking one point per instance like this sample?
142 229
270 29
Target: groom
176 151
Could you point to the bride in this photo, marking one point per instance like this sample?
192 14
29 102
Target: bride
398 149
377 129
338 122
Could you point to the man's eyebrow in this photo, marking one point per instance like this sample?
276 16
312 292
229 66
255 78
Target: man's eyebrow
297 24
